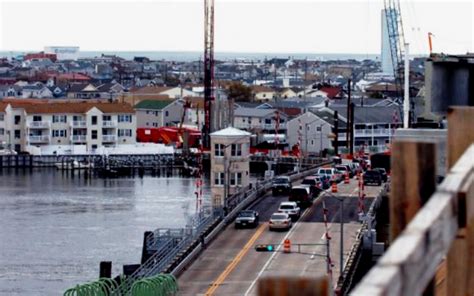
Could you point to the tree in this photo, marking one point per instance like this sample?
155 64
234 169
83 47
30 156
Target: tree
239 92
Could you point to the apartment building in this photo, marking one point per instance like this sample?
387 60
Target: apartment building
38 124
261 122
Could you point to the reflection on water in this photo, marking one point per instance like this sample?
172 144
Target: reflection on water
55 228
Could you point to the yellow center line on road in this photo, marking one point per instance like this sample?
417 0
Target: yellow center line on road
235 261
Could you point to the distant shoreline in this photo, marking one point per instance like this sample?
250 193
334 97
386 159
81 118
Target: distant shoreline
187 56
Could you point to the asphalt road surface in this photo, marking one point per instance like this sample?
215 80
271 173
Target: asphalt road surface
231 266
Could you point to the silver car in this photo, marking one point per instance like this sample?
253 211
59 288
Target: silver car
280 221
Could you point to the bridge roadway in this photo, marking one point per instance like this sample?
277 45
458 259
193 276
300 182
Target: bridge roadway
231 266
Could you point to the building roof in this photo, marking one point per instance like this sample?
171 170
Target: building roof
373 114
328 116
153 104
67 107
231 132
261 88
253 112
150 90
331 91
196 102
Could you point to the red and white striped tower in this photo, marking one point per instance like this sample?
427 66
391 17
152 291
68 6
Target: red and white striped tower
328 238
277 128
395 123
300 127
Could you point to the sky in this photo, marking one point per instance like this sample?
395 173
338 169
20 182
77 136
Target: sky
284 26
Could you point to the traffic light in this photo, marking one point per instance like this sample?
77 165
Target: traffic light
265 248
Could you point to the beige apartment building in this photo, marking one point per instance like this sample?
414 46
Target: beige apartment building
42 123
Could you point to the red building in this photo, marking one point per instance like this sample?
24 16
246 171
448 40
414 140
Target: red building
41 55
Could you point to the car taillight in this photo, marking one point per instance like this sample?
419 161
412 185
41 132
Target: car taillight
271 222
286 222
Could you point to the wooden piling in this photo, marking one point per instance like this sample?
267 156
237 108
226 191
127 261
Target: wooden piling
413 181
460 259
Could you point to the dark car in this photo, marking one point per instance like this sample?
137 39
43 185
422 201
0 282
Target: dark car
247 218
325 180
314 182
372 177
281 185
301 195
383 172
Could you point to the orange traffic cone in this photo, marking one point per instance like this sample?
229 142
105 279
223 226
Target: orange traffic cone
334 187
287 246
346 179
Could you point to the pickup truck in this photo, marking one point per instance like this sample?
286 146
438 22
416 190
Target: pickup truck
281 185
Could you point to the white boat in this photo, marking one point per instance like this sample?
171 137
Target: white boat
74 165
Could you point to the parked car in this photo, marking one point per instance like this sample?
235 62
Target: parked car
383 172
314 182
372 177
279 221
246 218
301 195
281 185
290 208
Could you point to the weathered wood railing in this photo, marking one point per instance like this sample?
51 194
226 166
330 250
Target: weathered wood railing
429 227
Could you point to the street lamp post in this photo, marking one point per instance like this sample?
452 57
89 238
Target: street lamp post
341 223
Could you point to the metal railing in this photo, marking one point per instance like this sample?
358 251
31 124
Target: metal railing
78 138
168 243
38 124
38 139
109 123
109 138
78 124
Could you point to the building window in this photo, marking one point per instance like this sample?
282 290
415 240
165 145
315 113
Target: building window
236 150
106 118
2 117
166 113
17 134
236 179
125 118
94 120
219 149
17 119
124 132
59 133
36 118
2 131
219 178
94 135
58 118
94 147
318 128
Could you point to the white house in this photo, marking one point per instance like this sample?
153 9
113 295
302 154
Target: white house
312 132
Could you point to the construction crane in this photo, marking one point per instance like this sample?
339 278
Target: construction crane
208 70
397 42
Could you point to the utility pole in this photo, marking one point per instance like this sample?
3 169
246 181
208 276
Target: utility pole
341 244
351 147
406 100
336 132
348 136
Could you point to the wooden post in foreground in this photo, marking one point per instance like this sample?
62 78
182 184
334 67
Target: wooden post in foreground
293 286
413 181
460 259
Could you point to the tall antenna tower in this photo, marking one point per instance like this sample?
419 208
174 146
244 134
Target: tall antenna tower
208 69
